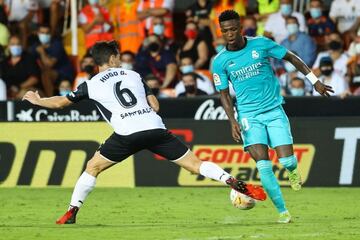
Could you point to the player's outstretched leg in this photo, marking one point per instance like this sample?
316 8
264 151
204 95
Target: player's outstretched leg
290 163
84 186
272 188
211 170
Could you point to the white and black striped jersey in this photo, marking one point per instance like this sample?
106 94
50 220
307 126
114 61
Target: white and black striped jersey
120 96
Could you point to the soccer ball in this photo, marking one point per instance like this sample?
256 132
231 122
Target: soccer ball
241 201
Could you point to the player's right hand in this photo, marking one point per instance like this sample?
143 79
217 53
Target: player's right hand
235 131
32 97
323 89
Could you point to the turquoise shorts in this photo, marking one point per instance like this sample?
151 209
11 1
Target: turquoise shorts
270 128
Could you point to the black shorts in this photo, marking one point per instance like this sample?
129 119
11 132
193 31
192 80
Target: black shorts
160 141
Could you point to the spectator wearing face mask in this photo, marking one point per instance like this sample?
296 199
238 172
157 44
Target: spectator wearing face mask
126 25
195 47
127 59
20 71
290 73
297 87
249 27
336 53
159 30
299 42
319 24
203 81
275 26
95 21
64 87
52 59
88 70
153 59
329 77
147 10
191 89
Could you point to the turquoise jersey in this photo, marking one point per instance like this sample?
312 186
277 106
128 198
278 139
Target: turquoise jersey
250 72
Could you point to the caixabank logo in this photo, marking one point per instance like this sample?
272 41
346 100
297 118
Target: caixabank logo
238 163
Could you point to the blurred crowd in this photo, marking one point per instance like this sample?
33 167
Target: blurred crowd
173 51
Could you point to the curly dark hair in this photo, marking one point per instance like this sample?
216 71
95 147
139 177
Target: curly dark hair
228 15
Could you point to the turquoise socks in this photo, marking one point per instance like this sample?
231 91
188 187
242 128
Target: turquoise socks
271 184
290 163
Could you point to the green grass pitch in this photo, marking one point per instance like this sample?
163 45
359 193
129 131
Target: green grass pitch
177 213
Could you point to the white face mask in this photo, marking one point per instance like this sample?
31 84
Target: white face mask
44 38
297 92
292 28
159 29
15 50
93 2
127 66
187 69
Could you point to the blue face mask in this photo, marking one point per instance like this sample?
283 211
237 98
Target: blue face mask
159 29
289 67
297 92
292 28
93 2
187 69
218 48
15 50
64 92
286 9
251 32
315 12
44 38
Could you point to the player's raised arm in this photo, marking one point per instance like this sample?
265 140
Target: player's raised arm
51 102
227 102
304 69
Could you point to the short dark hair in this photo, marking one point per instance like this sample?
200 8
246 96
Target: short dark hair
102 51
298 79
326 61
44 25
292 18
228 15
193 75
317 1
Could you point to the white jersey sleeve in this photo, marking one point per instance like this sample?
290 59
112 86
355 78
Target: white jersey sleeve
120 96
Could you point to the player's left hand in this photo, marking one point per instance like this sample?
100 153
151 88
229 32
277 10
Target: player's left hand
32 97
235 131
323 89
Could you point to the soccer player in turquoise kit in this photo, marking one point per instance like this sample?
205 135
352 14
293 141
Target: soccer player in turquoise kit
262 121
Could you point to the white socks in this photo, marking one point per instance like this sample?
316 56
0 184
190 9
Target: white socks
83 187
213 171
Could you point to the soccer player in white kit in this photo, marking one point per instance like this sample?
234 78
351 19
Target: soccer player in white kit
129 106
